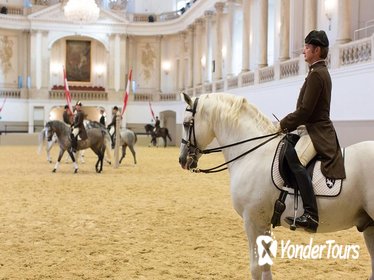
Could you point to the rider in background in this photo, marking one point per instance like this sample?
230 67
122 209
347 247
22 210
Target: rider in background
102 117
113 124
317 133
79 132
67 116
157 125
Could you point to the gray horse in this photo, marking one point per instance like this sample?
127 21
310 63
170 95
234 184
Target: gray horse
128 139
98 140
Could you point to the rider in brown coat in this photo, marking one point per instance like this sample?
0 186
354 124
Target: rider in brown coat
317 134
79 132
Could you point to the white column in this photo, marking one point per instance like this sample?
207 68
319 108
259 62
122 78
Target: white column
263 33
117 62
38 59
246 32
198 52
230 38
182 38
190 52
310 16
218 53
284 43
344 22
208 46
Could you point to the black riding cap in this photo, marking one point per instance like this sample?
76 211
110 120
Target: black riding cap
317 38
79 103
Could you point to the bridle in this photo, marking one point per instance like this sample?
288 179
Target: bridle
194 151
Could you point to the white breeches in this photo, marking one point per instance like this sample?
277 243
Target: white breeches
75 131
304 147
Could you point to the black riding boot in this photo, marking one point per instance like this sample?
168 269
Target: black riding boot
309 220
74 143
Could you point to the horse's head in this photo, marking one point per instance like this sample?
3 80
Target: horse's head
197 133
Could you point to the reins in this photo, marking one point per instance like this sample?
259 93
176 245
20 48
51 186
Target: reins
194 150
219 149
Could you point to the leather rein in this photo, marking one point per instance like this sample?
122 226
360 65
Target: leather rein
193 150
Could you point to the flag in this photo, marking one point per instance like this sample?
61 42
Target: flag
126 97
67 92
150 108
2 106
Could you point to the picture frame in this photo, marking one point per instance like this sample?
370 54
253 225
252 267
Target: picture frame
78 60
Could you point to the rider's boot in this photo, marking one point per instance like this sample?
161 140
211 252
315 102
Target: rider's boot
309 220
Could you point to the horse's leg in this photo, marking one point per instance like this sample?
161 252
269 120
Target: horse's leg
81 156
124 146
253 231
369 240
61 153
75 165
165 141
133 153
48 149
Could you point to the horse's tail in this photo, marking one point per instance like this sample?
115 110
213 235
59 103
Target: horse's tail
135 138
41 140
168 135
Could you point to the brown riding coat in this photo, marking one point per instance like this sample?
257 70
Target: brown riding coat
78 122
313 111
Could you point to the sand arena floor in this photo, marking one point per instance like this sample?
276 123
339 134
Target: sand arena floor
149 221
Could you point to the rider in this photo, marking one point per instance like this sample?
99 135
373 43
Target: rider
67 115
317 133
157 125
113 123
78 132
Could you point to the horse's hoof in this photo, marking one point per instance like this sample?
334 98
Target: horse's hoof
54 170
75 171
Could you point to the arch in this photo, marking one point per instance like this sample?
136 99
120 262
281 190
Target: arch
168 120
58 37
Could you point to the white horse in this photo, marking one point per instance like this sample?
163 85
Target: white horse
43 135
230 119
128 139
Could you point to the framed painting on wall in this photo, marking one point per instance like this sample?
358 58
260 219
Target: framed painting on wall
78 60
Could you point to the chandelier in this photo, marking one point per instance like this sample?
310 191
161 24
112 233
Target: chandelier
82 11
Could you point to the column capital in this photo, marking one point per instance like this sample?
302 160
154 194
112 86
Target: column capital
208 14
198 22
219 6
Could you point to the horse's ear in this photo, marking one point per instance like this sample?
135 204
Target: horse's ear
187 98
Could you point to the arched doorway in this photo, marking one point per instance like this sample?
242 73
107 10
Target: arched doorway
168 120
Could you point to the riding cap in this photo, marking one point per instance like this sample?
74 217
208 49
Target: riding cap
115 108
79 103
66 106
317 38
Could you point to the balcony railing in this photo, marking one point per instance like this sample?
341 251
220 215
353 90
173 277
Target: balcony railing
79 94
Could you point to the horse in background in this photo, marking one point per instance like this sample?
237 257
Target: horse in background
234 122
162 132
49 145
98 140
128 139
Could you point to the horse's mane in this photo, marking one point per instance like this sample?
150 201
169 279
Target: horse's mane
230 108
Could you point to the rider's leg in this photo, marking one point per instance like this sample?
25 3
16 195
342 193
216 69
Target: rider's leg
74 140
304 152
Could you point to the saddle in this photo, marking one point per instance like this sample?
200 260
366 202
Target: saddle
284 180
282 176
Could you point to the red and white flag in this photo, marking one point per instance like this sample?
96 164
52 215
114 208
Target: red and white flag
2 105
67 91
150 108
126 97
